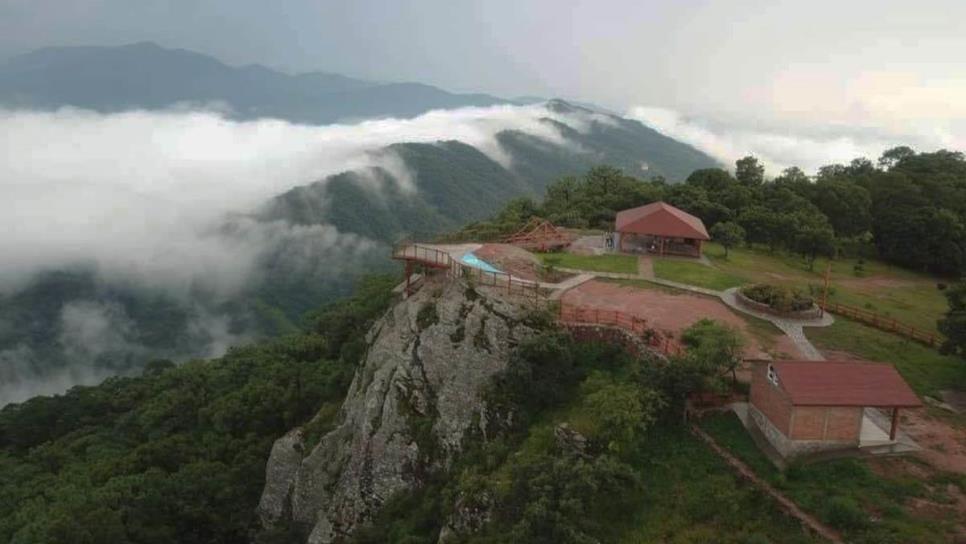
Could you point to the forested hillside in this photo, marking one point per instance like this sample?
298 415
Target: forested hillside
456 183
178 453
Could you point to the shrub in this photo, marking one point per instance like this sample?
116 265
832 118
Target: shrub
843 513
778 298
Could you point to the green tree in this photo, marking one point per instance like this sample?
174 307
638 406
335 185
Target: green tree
847 206
712 350
749 171
619 411
728 234
894 156
814 237
953 325
794 178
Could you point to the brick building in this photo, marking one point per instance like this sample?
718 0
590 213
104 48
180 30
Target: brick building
810 406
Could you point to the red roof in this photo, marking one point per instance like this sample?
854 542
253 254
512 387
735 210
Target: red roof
844 383
661 219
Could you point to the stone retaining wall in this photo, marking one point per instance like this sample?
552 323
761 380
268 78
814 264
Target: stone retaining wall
589 332
812 313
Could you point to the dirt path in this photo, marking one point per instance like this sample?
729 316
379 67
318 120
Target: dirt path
672 312
787 504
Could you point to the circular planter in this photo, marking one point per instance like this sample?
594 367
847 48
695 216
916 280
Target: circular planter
812 313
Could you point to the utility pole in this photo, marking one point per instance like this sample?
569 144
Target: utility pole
828 273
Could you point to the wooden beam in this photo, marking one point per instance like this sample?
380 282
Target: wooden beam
895 423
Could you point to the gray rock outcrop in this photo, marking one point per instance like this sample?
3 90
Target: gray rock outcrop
414 397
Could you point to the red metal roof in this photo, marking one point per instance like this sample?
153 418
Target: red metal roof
661 219
844 383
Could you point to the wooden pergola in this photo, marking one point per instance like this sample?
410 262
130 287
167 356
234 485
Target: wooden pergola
539 235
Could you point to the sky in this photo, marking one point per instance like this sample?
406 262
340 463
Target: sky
877 70
795 83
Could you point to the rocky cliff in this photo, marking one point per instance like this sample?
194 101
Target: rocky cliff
416 394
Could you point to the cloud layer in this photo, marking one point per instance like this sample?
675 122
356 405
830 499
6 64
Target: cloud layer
778 148
144 194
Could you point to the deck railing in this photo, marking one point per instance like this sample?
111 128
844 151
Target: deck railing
437 258
885 323
427 255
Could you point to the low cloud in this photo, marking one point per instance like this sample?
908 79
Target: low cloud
777 148
145 194
98 337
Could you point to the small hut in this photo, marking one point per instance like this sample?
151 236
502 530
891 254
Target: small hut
660 228
805 407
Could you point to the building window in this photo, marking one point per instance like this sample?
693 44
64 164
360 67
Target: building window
772 375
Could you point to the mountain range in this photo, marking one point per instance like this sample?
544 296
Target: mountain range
147 76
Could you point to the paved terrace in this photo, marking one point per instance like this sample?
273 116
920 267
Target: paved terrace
793 328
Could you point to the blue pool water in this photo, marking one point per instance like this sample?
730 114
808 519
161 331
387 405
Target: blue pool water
476 262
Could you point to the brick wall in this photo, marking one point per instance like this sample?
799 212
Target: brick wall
769 399
844 423
835 423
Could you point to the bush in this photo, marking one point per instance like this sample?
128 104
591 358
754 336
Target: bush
843 513
778 298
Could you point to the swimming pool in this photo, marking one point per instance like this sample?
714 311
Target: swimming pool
474 261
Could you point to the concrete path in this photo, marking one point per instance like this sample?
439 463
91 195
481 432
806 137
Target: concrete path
645 266
566 285
793 328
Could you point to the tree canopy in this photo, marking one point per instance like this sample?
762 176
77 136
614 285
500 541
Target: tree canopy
908 208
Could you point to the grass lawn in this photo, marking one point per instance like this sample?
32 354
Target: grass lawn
695 274
846 493
645 284
624 264
910 297
765 332
926 370
690 495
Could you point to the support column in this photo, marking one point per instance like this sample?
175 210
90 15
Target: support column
895 424
409 273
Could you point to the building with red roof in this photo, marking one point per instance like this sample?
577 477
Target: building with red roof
810 406
660 228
